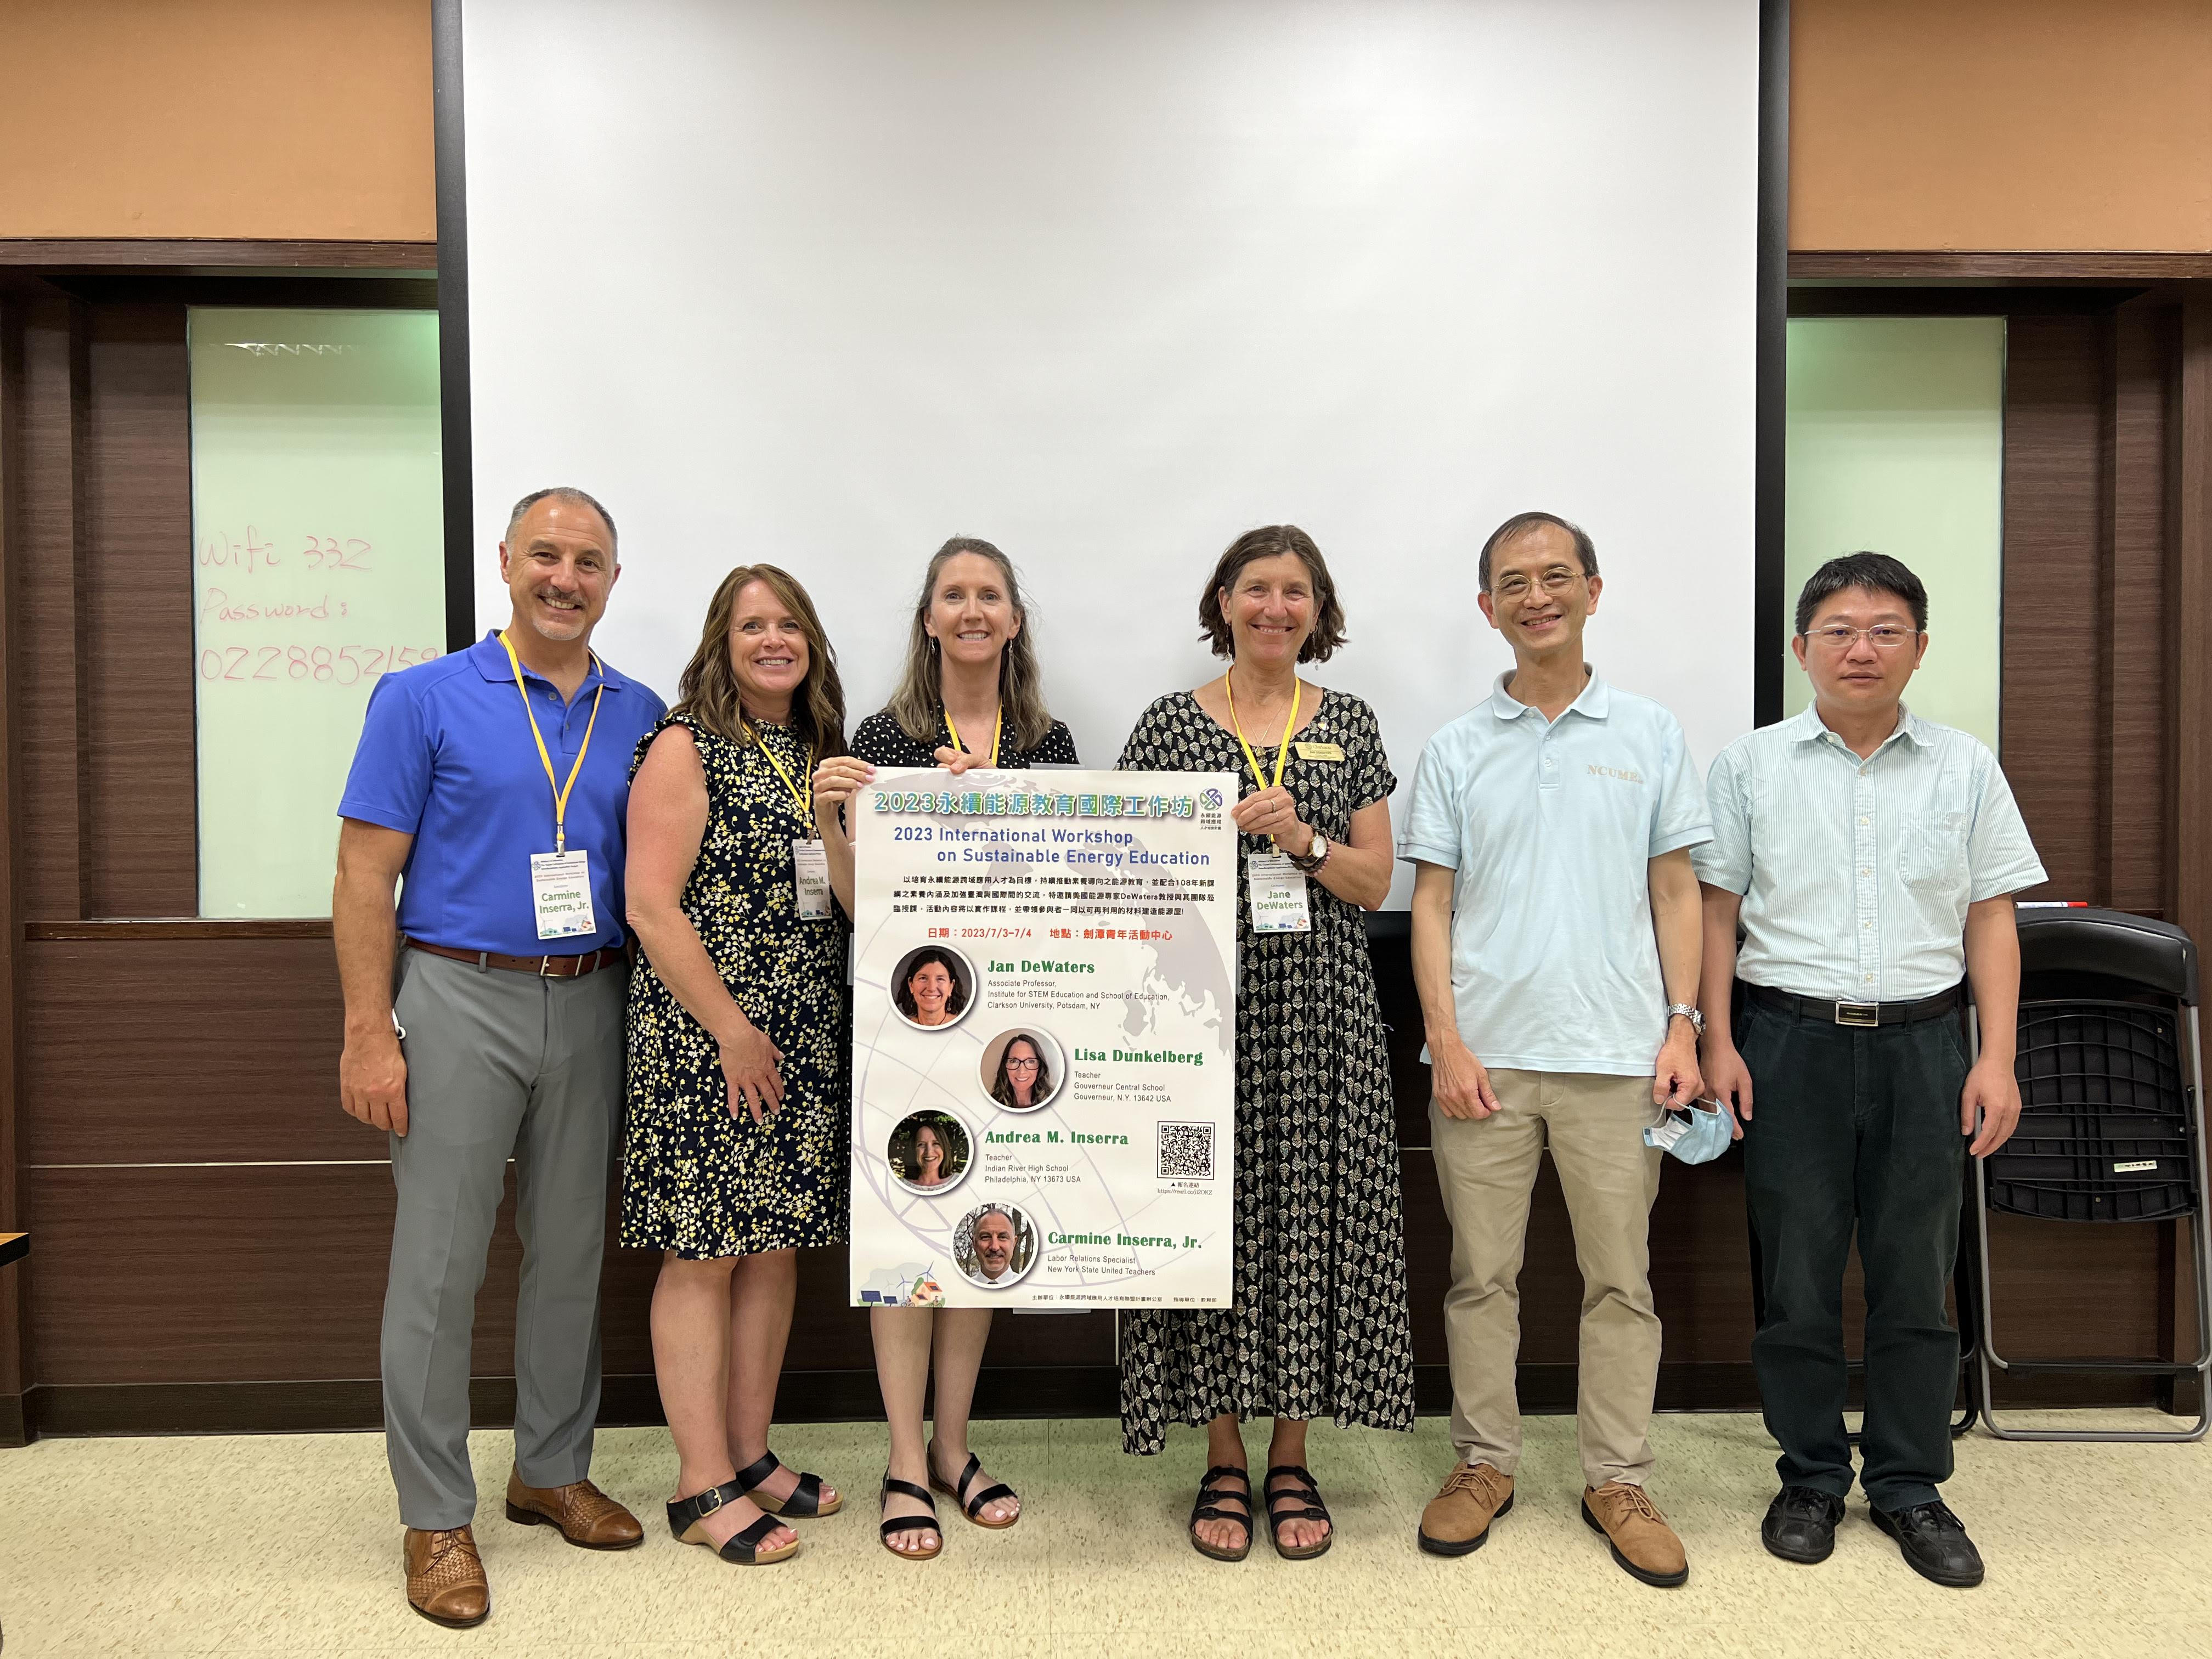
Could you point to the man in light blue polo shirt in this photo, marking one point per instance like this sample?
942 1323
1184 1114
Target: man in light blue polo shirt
1871 857
494 781
1555 952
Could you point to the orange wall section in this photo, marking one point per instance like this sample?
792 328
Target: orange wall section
225 119
2001 126
1921 125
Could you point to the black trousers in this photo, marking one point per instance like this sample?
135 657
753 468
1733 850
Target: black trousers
1856 1129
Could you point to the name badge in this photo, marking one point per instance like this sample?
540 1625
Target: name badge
1318 752
810 867
560 892
1278 893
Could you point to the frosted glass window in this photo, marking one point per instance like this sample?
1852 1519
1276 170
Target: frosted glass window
1897 446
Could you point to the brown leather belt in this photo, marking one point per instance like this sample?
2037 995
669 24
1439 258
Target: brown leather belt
544 967
1830 1011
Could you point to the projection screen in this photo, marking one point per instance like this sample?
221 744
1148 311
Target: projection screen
823 282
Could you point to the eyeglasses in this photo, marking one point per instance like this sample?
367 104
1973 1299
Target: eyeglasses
1556 581
1886 637
1021 1064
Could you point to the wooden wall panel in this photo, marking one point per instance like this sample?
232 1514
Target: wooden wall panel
2189 628
141 782
12 1369
2138 678
47 511
239 1272
2054 529
226 1050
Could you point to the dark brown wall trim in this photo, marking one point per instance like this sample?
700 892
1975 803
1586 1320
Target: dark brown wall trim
842 1396
209 254
1906 266
625 1401
180 928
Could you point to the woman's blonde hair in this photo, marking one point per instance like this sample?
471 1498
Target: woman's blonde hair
921 693
708 689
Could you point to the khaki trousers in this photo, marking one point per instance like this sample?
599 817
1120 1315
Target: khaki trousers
1594 1126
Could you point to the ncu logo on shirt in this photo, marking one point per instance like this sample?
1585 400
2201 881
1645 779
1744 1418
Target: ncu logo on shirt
1626 776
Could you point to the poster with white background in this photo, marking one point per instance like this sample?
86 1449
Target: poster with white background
1044 1039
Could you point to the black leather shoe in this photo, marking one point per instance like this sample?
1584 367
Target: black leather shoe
1934 1543
1801 1524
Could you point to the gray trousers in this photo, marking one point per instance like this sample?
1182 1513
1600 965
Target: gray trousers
500 1065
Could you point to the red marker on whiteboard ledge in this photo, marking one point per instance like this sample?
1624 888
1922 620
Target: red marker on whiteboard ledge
2051 904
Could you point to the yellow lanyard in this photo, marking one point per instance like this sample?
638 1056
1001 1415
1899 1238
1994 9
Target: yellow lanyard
560 789
1283 754
998 725
797 795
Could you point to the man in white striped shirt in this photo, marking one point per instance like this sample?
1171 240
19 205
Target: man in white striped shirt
1871 857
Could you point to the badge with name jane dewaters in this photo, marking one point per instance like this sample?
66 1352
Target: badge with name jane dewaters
1044 1039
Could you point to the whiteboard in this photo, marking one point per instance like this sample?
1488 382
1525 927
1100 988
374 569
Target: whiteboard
317 567
1109 281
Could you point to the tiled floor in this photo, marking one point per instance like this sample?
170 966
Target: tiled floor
288 1545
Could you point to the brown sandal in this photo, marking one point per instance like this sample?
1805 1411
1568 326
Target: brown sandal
973 1507
910 1522
1207 1509
1303 1493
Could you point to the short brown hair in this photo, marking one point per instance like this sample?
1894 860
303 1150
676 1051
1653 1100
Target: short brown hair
1268 542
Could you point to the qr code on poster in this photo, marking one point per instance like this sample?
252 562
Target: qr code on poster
1187 1150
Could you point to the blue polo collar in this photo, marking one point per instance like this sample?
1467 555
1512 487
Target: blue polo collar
1593 702
489 657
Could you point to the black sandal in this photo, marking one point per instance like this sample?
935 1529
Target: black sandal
908 1523
972 1506
804 1503
1304 1493
744 1548
1207 1509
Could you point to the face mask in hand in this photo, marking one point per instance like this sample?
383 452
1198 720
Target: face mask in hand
1697 1136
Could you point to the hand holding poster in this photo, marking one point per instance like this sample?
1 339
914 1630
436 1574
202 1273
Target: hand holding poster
1044 1039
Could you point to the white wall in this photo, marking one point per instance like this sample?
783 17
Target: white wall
1109 281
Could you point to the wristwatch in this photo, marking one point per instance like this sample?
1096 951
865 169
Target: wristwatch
1316 854
1688 1011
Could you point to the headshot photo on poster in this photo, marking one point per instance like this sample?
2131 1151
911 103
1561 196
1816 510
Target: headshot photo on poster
1023 1069
934 988
994 1246
929 1152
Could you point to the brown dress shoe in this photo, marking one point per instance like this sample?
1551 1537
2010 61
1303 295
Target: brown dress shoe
446 1579
1457 1519
1644 1545
587 1517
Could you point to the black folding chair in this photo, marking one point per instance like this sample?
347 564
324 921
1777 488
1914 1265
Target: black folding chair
2112 1125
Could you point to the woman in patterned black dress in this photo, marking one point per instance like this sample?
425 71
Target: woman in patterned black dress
1316 1325
971 695
735 1153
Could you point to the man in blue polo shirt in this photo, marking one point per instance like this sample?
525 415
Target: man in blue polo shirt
1871 857
495 782
1555 953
